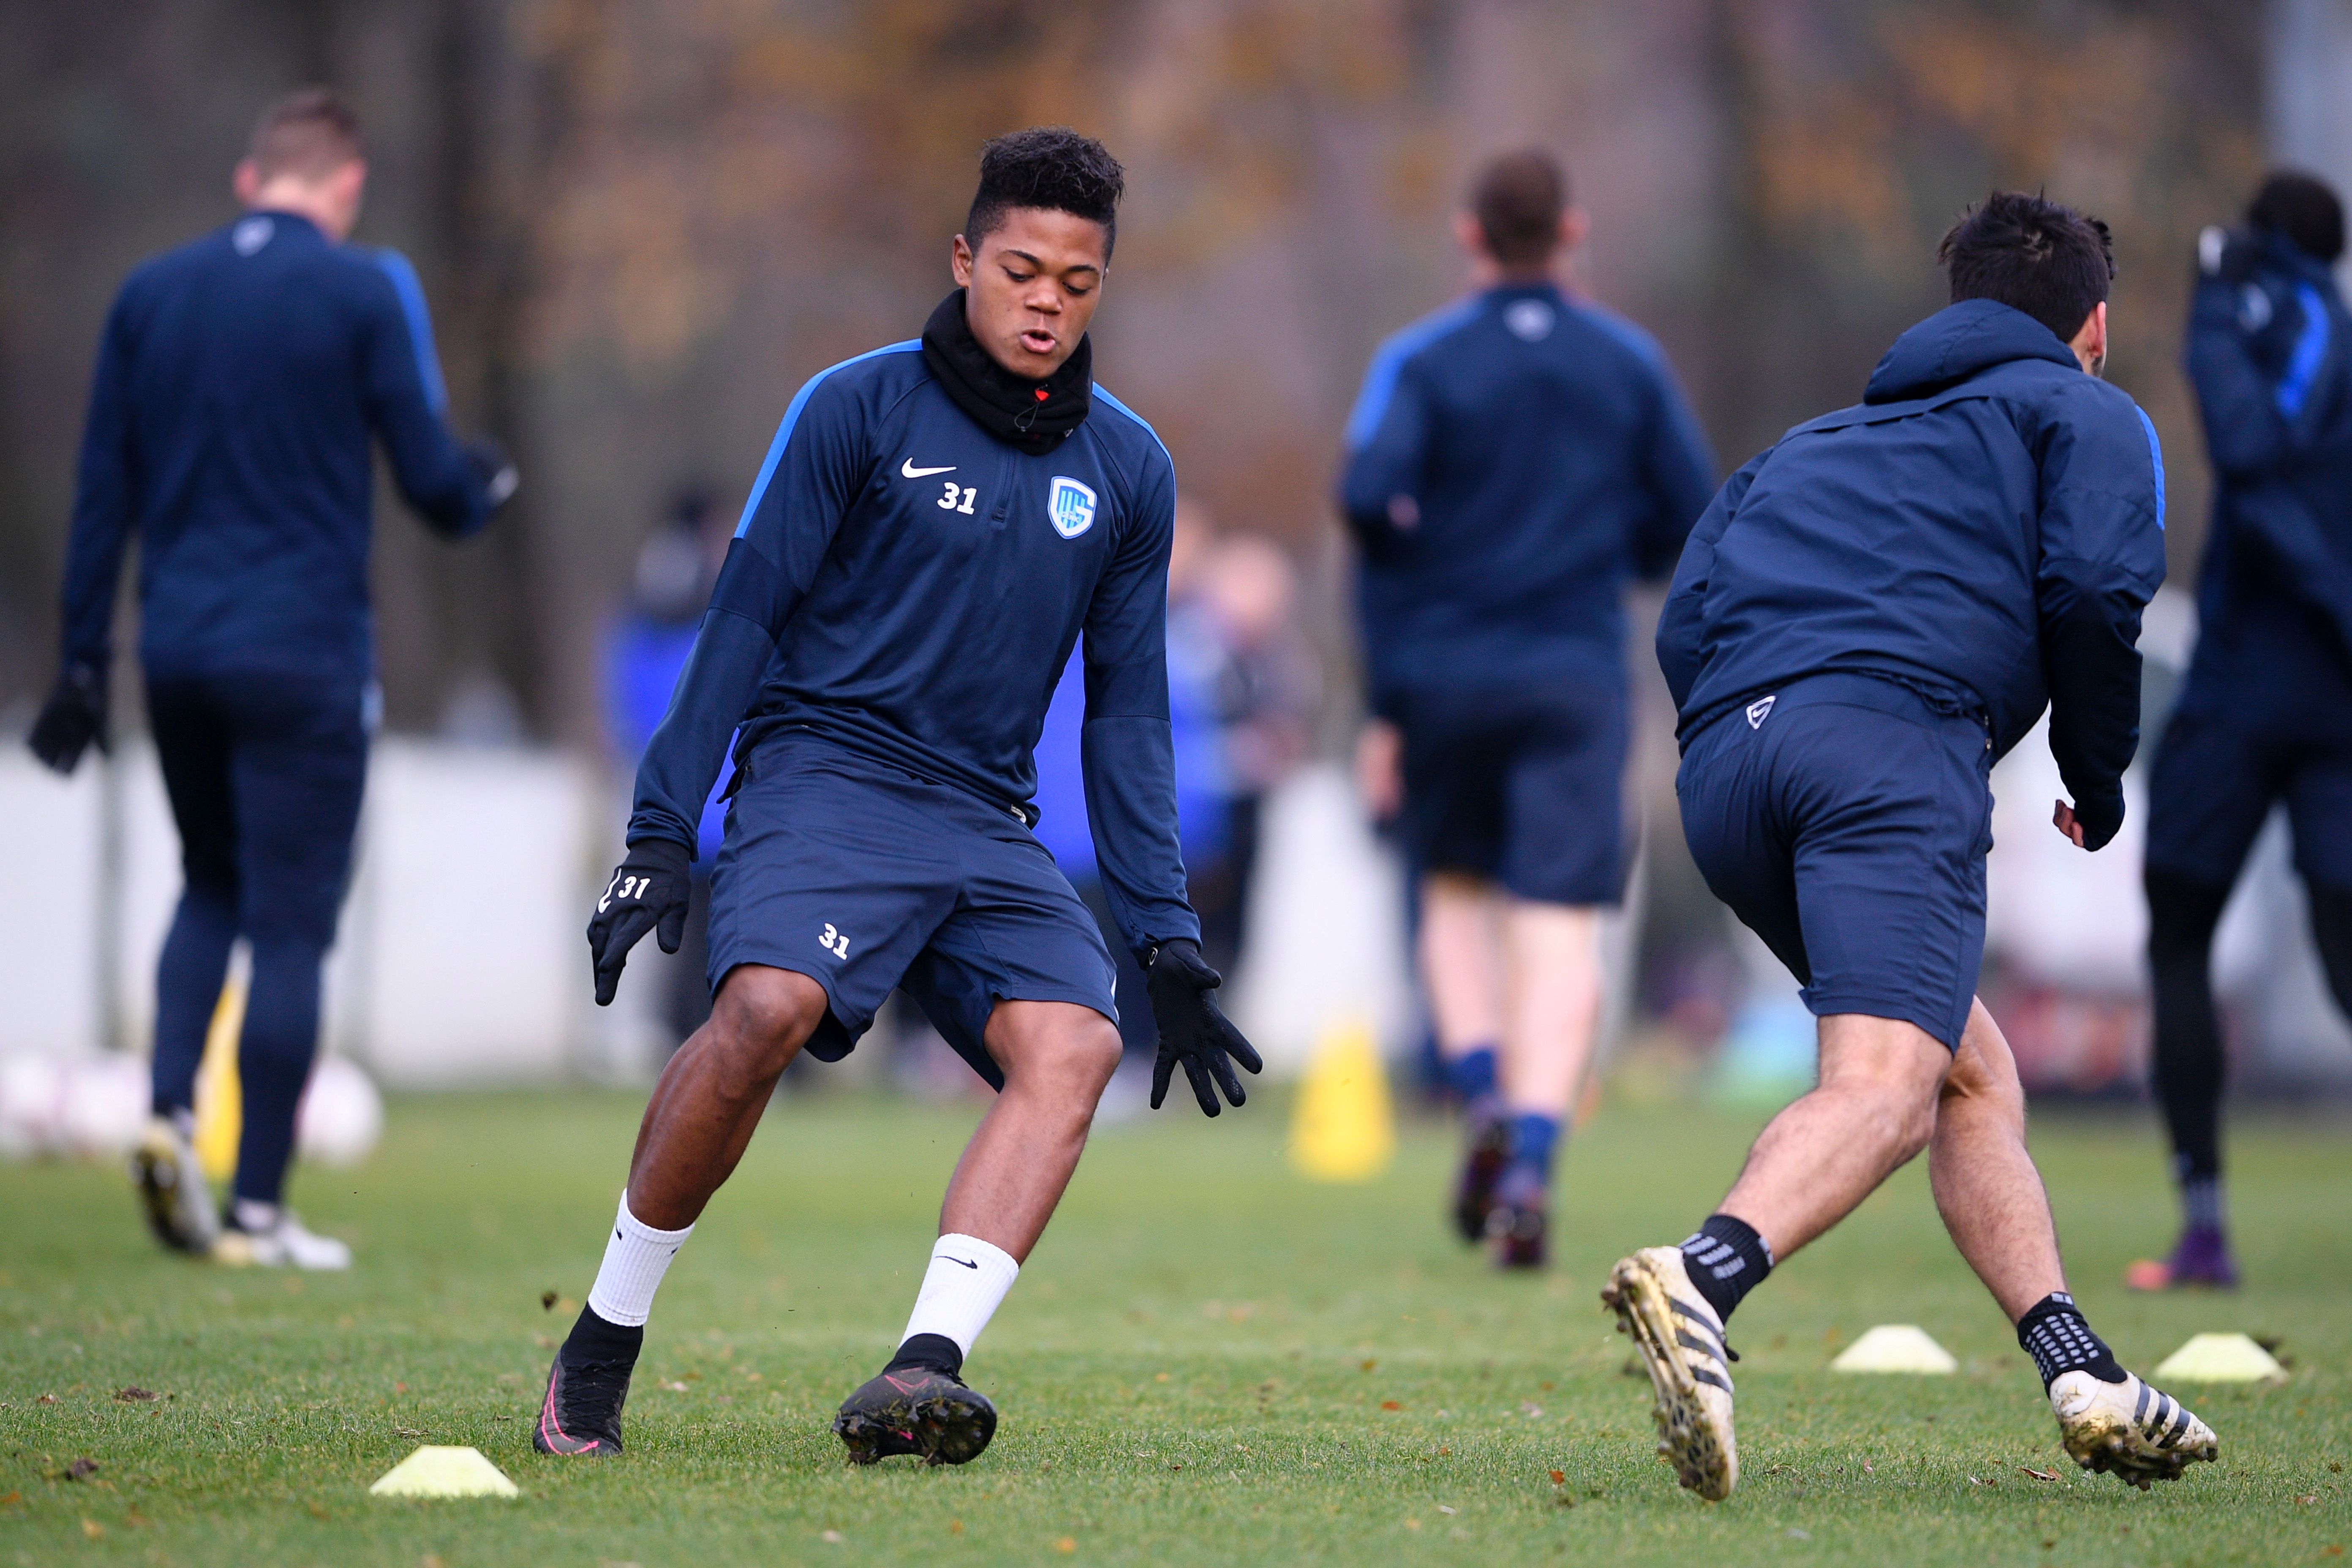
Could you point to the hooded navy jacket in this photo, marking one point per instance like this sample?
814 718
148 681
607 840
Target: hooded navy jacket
2270 352
910 587
1984 527
240 383
1511 461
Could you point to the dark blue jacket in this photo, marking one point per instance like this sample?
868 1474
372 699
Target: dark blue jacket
1984 527
910 587
241 380
2270 352
1513 459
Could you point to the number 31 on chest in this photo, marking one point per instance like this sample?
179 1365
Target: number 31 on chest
958 498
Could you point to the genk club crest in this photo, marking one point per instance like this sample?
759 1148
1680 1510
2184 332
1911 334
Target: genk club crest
1071 506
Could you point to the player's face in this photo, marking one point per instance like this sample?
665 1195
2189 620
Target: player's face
1033 286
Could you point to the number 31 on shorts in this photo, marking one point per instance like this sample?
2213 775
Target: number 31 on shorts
833 942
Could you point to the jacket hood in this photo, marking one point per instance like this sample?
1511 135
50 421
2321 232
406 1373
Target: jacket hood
1958 342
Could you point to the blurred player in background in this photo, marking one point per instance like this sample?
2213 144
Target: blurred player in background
241 383
1512 461
2266 714
935 524
1869 615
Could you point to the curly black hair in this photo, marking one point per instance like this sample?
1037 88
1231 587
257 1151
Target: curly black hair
2033 255
1049 166
2303 208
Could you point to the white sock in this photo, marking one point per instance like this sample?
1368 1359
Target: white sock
634 1261
961 1290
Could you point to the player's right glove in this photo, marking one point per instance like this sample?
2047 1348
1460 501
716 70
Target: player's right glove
73 720
1192 1030
493 470
647 893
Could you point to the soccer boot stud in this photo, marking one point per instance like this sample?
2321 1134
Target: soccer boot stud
916 1410
1680 1341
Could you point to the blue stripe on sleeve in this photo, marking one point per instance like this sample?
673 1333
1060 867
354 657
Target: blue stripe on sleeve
2310 349
2156 461
793 417
1139 419
1388 364
420 326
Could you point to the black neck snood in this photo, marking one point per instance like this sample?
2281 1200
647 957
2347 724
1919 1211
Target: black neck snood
1006 405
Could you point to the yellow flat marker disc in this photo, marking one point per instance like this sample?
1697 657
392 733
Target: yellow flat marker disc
1896 1347
437 1471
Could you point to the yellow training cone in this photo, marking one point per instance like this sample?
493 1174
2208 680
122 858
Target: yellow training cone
1897 1347
2220 1358
1344 1128
437 1471
220 1101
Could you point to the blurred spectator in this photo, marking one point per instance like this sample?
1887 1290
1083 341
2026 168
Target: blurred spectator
1267 683
645 647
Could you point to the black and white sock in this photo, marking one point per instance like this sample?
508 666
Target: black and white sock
1726 1259
2056 1335
2203 1205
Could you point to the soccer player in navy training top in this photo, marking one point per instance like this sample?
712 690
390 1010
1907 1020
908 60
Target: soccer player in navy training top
1512 461
2266 714
1868 615
241 382
935 525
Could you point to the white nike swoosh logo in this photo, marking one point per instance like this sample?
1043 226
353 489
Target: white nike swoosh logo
912 472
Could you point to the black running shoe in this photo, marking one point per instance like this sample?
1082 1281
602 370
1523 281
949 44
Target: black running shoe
916 1410
580 1412
1481 1167
1518 1226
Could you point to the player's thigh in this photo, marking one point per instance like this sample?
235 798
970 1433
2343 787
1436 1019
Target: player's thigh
1737 838
835 874
1018 933
2209 790
1456 748
1892 822
298 772
193 747
1564 815
2319 812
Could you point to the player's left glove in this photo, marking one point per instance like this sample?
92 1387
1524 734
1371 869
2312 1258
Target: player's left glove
1192 1030
647 893
73 720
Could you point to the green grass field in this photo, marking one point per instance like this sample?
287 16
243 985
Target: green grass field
1208 1360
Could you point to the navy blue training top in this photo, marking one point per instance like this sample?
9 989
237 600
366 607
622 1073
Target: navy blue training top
2270 352
1985 527
910 587
1512 460
241 380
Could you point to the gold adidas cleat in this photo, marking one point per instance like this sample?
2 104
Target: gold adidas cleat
1681 1343
2128 1429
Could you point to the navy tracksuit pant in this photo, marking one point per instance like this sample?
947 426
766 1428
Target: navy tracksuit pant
264 774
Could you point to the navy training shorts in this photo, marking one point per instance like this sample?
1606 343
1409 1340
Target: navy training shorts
1847 822
864 878
2212 785
1524 787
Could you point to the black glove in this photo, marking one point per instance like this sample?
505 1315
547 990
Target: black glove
72 718
647 893
493 470
2100 817
1192 1030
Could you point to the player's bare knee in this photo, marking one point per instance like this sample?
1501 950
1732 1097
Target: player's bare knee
1056 1050
759 1020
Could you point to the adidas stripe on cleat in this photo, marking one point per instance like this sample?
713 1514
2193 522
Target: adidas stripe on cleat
916 1410
580 1414
1680 1341
2129 1430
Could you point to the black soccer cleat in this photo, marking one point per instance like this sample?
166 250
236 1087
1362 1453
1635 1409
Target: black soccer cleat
916 1410
1481 1167
580 1412
1519 1232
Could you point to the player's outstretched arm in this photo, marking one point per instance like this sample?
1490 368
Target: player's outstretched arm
453 487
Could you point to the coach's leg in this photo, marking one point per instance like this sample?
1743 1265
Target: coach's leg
1058 1057
1985 1183
711 1096
1873 1109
